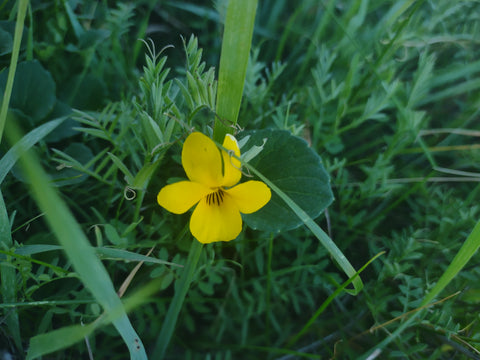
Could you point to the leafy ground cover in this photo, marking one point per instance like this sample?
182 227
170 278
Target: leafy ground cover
384 94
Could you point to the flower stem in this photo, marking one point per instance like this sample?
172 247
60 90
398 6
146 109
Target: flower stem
181 290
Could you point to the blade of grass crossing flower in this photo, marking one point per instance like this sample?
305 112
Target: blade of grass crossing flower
236 43
181 289
22 10
76 246
318 232
468 249
8 276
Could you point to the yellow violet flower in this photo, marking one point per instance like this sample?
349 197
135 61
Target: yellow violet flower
213 174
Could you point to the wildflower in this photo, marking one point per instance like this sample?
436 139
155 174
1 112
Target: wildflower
213 174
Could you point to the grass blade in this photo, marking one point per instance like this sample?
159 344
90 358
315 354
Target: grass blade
236 43
58 339
82 256
327 302
324 239
468 249
181 290
22 10
34 136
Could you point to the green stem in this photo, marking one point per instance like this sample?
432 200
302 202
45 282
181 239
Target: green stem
181 290
237 40
22 10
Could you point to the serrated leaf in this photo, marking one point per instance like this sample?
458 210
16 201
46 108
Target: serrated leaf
289 163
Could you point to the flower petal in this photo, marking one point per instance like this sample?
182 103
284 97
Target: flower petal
210 223
250 196
181 196
231 166
201 160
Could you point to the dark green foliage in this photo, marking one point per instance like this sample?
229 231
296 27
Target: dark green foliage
385 92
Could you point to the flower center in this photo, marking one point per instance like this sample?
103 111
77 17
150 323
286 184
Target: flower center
215 198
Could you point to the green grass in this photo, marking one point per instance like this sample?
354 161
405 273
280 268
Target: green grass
385 92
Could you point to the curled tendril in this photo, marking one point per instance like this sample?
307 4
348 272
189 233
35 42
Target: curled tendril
129 193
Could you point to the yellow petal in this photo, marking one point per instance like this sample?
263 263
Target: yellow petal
201 160
231 166
210 223
181 196
250 196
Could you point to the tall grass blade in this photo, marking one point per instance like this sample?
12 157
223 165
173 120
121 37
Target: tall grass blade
237 40
22 10
468 249
181 290
82 256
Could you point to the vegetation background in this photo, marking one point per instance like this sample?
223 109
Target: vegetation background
386 92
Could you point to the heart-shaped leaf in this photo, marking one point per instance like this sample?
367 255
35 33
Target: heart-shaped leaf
289 163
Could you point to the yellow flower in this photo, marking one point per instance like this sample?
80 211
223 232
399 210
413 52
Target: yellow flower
213 174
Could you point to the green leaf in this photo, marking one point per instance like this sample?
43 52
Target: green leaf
102 252
143 177
76 153
129 178
36 249
6 42
112 253
85 92
66 129
114 237
7 32
33 91
289 163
